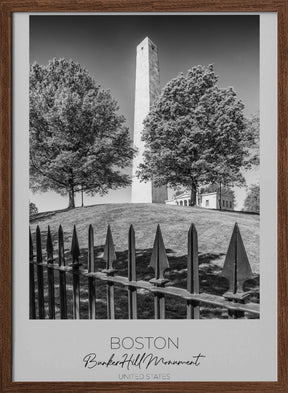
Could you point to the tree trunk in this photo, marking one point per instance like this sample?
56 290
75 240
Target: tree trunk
71 199
82 197
193 194
220 197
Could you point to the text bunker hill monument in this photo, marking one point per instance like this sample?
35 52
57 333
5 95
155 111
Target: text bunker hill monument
147 88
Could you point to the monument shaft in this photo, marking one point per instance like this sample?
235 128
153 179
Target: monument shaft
147 88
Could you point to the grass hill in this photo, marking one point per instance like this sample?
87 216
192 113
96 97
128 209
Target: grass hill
214 227
214 232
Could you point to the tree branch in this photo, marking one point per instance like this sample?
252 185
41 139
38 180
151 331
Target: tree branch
45 175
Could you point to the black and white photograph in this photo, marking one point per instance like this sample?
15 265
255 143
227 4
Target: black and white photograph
144 167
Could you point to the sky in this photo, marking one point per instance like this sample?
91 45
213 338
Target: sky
106 46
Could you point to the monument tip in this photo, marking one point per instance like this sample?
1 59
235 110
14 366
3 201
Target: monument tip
147 41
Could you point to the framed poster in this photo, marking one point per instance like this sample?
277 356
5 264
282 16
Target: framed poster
142 146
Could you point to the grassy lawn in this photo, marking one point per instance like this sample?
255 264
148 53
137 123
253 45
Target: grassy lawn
214 232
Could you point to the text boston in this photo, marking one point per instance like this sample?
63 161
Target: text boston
158 342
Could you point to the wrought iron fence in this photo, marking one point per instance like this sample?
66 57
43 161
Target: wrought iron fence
236 270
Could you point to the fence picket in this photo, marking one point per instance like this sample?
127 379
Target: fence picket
50 273
75 251
159 262
62 274
132 291
91 280
193 310
236 269
32 300
109 257
40 278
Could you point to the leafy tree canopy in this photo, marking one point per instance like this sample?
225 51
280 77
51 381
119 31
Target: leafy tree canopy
253 124
215 187
252 201
77 138
32 208
195 134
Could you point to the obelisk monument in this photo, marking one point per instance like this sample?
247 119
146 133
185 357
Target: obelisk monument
147 88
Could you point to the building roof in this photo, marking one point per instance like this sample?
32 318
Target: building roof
187 194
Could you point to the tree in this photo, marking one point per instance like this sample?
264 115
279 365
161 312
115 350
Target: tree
252 201
32 208
253 124
195 134
223 175
77 138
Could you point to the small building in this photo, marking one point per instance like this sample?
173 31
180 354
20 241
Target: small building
209 200
180 200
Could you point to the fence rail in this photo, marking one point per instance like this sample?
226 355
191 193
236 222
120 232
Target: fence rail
236 270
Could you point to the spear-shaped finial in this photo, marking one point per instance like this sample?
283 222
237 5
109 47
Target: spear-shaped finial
90 249
159 261
109 255
236 267
61 253
131 255
49 246
193 264
75 250
38 244
30 246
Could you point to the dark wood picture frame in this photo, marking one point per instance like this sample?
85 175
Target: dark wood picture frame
8 7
